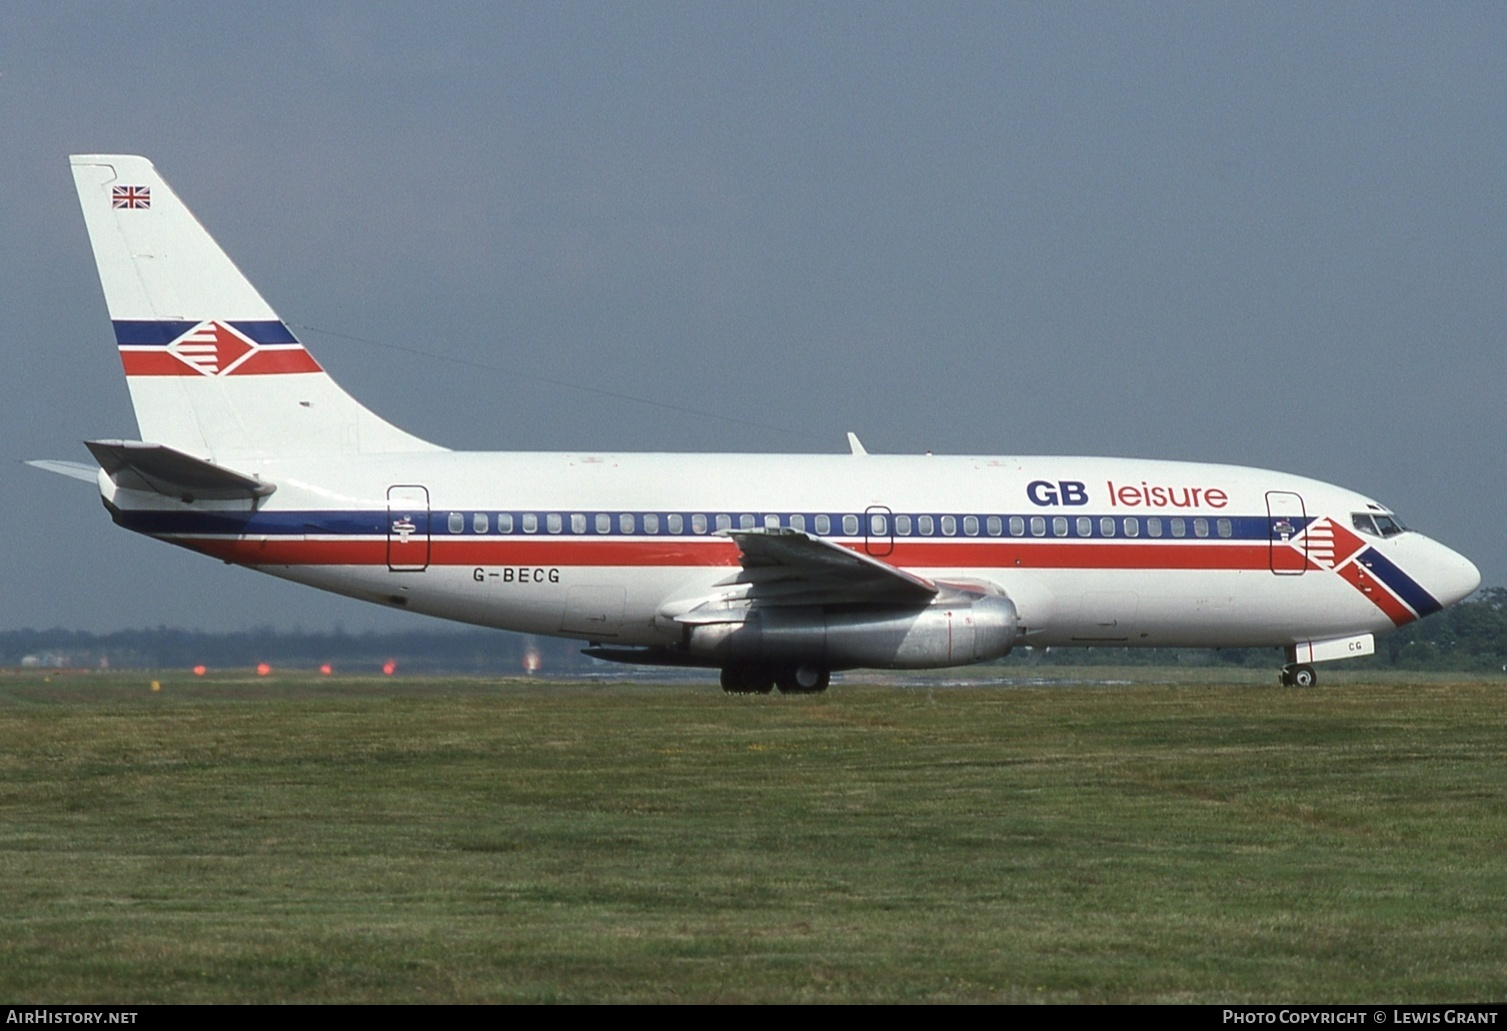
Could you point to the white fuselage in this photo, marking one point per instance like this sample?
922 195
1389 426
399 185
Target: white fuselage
610 548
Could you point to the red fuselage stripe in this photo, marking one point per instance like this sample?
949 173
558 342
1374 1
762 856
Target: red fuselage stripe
565 552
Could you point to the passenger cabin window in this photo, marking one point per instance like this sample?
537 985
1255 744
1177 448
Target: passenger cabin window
995 525
698 523
823 524
530 523
745 522
1200 527
902 525
1225 528
771 522
1153 526
1017 526
850 525
878 525
457 522
1038 526
625 522
1107 526
651 522
577 522
971 525
1085 526
798 522
1133 526
949 525
504 522
480 523
604 523
925 525
724 522
1179 528
1059 526
553 522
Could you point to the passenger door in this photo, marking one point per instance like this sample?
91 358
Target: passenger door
407 528
1285 518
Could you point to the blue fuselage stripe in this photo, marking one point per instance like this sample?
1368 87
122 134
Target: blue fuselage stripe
1242 529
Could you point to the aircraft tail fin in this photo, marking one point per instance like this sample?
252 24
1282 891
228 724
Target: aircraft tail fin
211 368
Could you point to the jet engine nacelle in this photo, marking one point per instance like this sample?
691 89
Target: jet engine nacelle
877 637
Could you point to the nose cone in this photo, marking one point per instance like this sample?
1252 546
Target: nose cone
1451 576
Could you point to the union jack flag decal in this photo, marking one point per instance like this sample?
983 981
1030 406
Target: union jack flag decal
130 196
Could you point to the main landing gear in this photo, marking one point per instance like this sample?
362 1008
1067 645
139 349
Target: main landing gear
1299 676
804 679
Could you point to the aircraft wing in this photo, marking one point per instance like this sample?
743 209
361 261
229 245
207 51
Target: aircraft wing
788 567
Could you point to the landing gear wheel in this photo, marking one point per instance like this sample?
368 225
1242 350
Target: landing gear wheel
747 680
803 680
1299 676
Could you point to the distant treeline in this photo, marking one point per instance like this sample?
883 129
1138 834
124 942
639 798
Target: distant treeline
1470 636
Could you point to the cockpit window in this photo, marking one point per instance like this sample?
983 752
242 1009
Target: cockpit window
1378 525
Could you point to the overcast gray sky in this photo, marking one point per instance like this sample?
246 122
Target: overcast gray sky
1267 234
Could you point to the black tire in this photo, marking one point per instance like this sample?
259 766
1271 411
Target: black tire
747 680
1304 676
803 680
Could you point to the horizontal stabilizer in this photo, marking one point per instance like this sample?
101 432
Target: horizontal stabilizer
73 470
137 465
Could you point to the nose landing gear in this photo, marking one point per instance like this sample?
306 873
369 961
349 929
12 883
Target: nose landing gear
1299 676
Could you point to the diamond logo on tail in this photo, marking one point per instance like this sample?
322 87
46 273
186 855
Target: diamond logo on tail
212 348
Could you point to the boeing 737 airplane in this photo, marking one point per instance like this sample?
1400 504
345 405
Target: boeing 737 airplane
775 569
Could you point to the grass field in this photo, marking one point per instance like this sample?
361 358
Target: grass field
452 840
